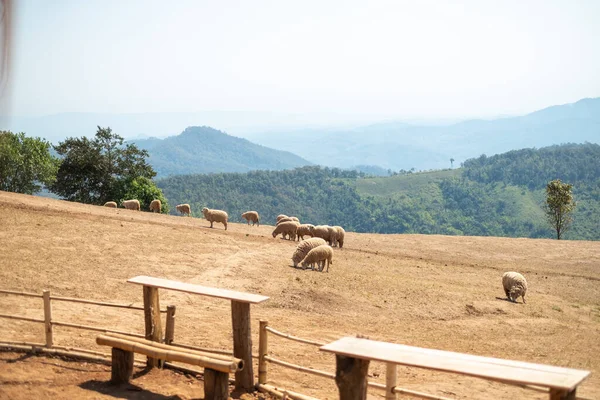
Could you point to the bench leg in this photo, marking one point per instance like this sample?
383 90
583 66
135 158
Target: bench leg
216 385
122 366
351 377
556 394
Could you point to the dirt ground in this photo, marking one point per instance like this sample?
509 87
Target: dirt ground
439 292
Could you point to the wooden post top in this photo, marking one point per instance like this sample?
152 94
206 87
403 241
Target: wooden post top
483 367
198 289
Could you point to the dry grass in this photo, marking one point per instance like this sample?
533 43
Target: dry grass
431 291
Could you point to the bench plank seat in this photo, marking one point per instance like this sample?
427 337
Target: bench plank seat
198 289
508 371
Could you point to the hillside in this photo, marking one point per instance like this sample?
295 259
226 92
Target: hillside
433 291
401 146
204 149
491 196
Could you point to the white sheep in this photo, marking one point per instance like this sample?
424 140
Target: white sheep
286 219
514 285
215 216
304 230
155 206
320 255
339 237
295 219
184 209
326 232
251 216
131 204
111 204
304 247
286 228
280 216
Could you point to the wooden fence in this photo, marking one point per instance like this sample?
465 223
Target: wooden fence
49 346
391 388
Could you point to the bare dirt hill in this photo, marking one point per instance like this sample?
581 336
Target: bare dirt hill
440 292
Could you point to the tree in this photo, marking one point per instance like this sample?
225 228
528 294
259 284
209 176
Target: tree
559 206
144 190
102 169
25 163
451 162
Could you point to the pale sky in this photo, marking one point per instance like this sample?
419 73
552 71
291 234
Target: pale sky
401 59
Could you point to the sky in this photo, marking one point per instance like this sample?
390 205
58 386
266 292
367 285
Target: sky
378 59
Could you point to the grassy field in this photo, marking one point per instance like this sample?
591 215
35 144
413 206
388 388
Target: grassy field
404 184
441 292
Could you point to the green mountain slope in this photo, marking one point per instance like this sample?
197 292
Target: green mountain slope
204 150
475 200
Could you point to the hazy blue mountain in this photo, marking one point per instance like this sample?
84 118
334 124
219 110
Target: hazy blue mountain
205 150
397 145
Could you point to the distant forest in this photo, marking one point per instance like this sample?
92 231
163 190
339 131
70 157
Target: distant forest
502 195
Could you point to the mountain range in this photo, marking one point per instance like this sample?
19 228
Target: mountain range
394 145
397 145
201 149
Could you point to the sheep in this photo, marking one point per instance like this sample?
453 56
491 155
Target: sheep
304 230
286 219
339 237
294 219
326 232
514 285
281 216
286 228
131 204
304 247
111 204
155 206
184 209
320 255
251 216
215 216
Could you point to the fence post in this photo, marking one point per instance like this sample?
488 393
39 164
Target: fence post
152 321
263 350
242 344
170 325
391 375
47 317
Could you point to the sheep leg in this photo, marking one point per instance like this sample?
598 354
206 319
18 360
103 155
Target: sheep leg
507 293
524 302
211 224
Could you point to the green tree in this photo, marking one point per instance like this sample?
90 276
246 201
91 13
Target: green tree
559 206
102 169
144 190
25 163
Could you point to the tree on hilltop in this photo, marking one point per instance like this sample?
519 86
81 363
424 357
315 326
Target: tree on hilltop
103 169
25 163
559 206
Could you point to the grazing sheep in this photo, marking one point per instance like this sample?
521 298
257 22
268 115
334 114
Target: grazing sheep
339 237
215 216
514 285
111 204
319 255
155 206
286 228
184 209
251 216
304 247
295 219
286 219
326 232
131 204
304 230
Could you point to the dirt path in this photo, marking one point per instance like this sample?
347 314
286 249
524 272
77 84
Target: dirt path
431 291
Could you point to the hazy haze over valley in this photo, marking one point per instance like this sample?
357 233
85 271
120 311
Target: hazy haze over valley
398 84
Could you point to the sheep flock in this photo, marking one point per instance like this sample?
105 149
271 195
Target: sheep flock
315 252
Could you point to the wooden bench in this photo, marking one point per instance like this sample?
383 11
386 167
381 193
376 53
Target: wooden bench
216 367
240 317
354 354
